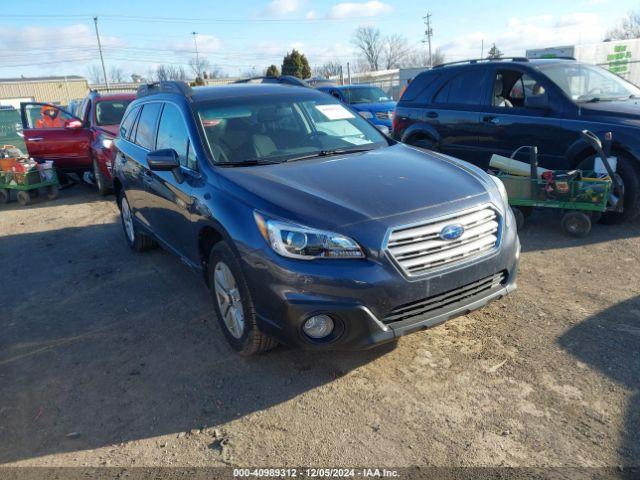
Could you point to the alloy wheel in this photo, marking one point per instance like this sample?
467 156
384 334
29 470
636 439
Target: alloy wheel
127 220
229 300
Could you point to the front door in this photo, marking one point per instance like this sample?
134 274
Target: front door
169 198
507 124
51 133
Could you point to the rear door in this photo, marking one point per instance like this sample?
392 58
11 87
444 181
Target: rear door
51 133
171 199
454 113
507 124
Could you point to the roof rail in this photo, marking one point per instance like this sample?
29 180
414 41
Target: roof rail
284 79
478 60
173 86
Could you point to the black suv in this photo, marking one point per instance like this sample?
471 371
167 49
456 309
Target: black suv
310 226
475 108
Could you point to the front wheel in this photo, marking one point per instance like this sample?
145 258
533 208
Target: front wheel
629 172
5 195
136 240
233 304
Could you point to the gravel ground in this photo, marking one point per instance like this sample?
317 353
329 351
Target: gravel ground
111 358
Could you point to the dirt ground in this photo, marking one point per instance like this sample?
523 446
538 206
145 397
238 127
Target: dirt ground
112 358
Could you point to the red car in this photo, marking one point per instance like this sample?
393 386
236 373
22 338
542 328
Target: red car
77 141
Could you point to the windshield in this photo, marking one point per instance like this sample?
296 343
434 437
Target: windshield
280 128
110 112
365 95
588 83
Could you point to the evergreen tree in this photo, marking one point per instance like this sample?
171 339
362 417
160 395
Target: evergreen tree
296 64
272 71
494 52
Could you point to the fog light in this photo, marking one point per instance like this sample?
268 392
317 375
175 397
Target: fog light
318 326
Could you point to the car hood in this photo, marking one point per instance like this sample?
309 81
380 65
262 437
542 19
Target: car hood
627 109
341 190
375 107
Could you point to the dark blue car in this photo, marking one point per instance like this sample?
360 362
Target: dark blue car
369 101
308 225
476 108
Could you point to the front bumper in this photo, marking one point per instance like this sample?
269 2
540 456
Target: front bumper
364 298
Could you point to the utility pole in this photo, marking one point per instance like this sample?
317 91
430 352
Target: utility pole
195 41
482 49
104 70
349 73
428 33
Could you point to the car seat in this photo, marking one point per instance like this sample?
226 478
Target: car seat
498 94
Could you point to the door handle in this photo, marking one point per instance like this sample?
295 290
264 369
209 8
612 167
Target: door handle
147 176
491 119
432 114
35 139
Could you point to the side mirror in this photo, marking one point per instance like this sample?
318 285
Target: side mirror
163 160
73 124
540 101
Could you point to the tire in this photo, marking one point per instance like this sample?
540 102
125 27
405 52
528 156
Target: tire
5 195
138 242
519 216
233 293
99 181
576 224
52 192
24 198
629 172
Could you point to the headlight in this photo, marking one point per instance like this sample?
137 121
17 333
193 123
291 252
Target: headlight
365 114
106 143
501 189
296 241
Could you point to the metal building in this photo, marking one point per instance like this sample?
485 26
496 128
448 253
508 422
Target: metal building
57 90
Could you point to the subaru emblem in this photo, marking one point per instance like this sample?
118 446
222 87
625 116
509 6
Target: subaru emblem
452 232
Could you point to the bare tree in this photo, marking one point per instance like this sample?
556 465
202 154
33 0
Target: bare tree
369 42
199 66
170 72
419 57
94 72
395 50
628 27
328 69
116 75
216 72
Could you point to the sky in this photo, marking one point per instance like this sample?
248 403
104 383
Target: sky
58 38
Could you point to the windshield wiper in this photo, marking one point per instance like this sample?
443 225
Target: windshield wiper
247 163
328 153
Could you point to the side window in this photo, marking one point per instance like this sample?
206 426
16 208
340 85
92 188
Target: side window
415 88
145 133
172 133
512 87
463 89
46 116
83 110
127 123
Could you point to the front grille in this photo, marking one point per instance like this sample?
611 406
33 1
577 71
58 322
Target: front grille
443 300
384 115
419 248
